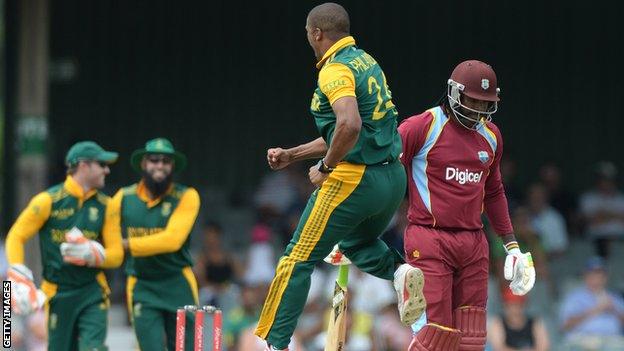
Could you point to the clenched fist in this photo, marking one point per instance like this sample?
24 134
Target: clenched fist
278 158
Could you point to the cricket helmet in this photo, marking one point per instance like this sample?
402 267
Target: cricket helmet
476 80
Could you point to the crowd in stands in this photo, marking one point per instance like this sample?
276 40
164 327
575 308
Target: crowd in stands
577 303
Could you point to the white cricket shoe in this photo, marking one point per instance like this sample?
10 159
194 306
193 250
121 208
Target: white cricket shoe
408 283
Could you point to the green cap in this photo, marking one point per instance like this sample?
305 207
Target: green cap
89 151
159 146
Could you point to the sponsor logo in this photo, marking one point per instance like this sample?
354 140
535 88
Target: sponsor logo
62 213
463 177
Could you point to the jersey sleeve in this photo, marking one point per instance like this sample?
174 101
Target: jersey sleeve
111 232
335 81
26 226
413 131
495 201
176 232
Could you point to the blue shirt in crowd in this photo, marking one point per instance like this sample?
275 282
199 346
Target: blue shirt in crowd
582 300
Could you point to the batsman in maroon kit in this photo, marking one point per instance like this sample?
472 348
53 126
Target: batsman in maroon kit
452 154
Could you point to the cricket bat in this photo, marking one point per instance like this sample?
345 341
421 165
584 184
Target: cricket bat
337 329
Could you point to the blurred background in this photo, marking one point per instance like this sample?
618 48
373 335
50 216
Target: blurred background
225 80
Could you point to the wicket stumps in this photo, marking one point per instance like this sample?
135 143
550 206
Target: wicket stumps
200 312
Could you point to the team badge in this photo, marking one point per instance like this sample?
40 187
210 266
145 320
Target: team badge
483 156
416 254
485 84
166 208
93 214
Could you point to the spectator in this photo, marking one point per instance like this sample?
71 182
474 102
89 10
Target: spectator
243 316
591 314
549 224
603 209
514 330
393 335
261 256
560 198
277 192
215 269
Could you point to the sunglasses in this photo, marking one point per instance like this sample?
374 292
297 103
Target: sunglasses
159 158
100 163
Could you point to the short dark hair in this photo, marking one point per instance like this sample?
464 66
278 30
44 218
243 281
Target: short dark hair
330 18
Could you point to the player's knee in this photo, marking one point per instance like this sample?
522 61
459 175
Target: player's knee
471 320
433 337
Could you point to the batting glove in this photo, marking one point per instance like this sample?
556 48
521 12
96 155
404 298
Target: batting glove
80 251
336 257
519 269
25 297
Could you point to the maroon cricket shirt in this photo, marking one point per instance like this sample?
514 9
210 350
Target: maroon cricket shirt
453 173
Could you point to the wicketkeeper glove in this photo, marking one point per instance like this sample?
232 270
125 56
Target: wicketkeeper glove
337 258
25 297
80 251
519 269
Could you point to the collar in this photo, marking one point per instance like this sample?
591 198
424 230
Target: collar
340 44
143 194
75 189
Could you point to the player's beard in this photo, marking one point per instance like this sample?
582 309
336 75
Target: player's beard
470 124
157 188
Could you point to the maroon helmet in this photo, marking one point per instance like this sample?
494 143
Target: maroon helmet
477 80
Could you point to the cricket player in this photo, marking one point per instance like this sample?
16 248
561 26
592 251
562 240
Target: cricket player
361 182
452 154
155 217
71 219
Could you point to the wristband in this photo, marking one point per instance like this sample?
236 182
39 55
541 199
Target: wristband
512 247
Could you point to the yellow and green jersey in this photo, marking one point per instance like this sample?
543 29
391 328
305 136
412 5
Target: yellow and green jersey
157 229
346 70
54 212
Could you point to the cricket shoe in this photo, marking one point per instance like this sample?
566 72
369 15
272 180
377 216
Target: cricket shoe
408 283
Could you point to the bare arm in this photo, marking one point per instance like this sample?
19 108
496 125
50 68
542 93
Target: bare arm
279 158
348 125
315 149
541 336
496 335
577 319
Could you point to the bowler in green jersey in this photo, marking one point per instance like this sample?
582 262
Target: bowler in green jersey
360 181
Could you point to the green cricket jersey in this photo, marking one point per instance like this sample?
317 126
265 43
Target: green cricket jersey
346 70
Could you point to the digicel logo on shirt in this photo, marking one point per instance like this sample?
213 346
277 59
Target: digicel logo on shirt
463 177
